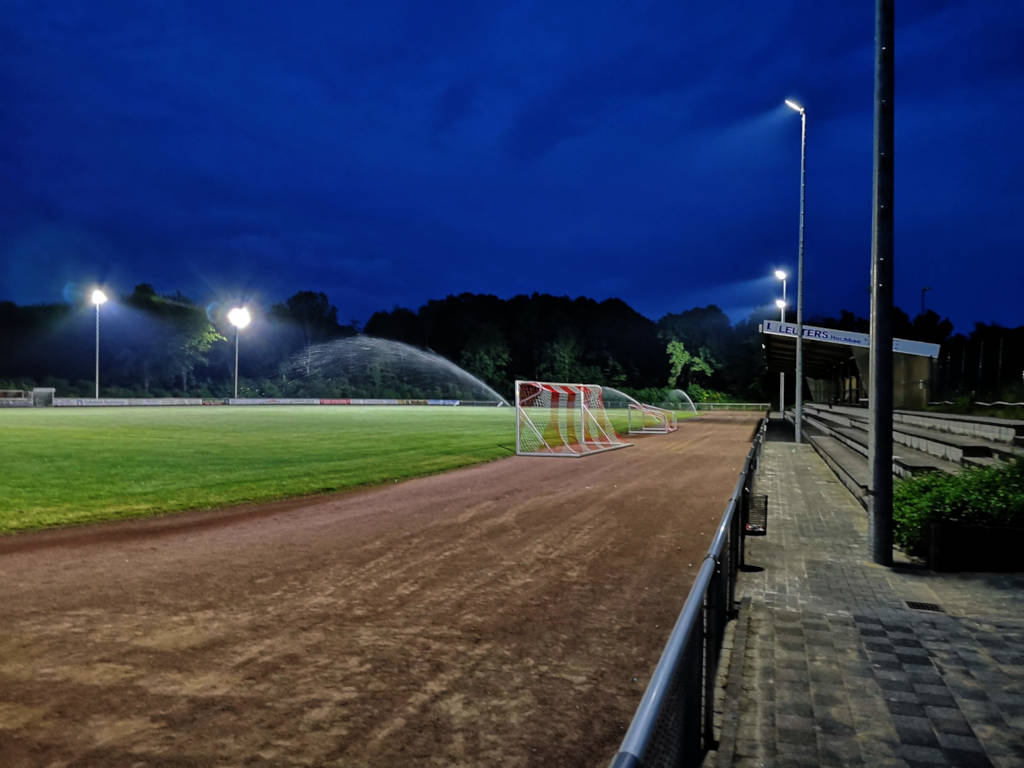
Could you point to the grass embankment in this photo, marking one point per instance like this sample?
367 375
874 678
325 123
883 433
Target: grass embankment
63 466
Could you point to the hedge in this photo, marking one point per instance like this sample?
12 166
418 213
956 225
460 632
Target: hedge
980 496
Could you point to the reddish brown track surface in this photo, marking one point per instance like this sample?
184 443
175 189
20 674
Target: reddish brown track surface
505 614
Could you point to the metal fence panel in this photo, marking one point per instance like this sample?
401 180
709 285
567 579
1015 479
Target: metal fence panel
674 724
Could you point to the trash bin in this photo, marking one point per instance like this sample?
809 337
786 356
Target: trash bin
757 516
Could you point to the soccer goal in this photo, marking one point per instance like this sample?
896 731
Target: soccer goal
554 419
647 419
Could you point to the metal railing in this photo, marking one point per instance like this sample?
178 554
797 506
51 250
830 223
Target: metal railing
674 723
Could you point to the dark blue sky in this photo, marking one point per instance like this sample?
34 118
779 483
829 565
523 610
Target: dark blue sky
391 152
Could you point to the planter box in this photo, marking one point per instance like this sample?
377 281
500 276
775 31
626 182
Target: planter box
957 547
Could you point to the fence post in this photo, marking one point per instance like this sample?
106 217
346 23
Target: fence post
692 718
712 644
735 538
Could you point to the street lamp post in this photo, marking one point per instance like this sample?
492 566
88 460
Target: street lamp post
800 276
98 297
781 304
240 318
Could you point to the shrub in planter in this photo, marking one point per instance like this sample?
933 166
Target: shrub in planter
981 496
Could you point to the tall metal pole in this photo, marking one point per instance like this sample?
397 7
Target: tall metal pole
880 394
236 362
800 285
97 351
782 374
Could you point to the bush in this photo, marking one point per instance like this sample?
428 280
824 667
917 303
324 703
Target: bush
701 395
983 496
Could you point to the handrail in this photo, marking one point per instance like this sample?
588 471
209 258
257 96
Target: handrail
641 729
645 720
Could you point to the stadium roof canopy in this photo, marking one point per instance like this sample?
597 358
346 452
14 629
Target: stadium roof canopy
824 348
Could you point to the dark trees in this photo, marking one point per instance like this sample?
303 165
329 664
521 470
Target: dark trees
165 344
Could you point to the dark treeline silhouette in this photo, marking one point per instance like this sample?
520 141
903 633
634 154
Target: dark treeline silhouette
160 345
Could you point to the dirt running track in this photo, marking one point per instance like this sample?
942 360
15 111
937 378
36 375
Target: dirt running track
506 614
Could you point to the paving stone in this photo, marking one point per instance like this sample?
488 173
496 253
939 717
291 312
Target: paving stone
966 759
795 722
827 677
922 675
907 642
836 670
953 727
921 754
789 761
895 684
822 699
792 662
910 696
936 699
752 748
791 736
791 675
906 708
837 752
963 743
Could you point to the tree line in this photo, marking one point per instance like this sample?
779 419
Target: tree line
155 344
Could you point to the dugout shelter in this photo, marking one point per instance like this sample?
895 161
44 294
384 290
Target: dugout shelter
836 363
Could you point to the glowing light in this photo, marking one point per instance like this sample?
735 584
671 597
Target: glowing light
780 275
98 297
239 317
793 105
780 304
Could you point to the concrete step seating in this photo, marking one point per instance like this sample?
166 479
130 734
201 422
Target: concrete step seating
1009 431
920 443
848 465
935 435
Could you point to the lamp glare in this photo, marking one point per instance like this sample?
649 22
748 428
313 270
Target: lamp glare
794 106
99 297
780 274
239 317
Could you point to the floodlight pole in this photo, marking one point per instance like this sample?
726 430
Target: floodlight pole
236 362
782 374
97 395
798 384
800 286
98 297
240 318
880 388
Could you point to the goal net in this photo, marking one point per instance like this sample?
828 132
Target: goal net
646 419
554 419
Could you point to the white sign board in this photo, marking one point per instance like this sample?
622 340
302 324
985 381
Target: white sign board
849 338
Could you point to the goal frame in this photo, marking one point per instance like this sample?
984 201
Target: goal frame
603 436
665 420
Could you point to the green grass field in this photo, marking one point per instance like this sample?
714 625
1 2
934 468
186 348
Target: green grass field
66 466
74 465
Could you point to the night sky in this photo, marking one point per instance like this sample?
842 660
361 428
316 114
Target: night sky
390 152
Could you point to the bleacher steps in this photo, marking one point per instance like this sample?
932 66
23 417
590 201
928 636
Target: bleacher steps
982 461
907 461
849 466
840 436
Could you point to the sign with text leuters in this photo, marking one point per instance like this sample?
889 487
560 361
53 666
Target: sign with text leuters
849 338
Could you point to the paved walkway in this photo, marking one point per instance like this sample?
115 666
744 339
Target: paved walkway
830 666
